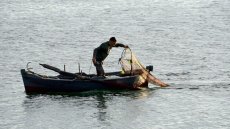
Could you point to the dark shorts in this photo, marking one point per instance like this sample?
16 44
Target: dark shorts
99 68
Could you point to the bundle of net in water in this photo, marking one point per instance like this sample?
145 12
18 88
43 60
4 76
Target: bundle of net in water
132 66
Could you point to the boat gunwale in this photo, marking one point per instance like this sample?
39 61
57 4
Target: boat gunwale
56 78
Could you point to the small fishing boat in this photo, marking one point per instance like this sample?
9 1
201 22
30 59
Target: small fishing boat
36 83
133 76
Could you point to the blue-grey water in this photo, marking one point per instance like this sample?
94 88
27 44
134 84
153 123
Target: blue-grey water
187 42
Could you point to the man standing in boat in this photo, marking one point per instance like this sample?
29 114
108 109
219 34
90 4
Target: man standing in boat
101 52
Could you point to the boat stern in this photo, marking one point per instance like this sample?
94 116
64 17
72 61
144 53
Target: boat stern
140 81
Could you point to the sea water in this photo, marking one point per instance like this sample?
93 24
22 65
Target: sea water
187 42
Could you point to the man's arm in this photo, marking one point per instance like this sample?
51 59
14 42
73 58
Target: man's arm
120 45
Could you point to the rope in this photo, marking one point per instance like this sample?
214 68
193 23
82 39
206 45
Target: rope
90 66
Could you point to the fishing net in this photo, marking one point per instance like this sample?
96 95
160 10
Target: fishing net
132 66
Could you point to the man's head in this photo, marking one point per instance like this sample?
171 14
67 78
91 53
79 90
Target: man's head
112 41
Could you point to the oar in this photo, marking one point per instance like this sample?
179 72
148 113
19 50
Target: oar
64 73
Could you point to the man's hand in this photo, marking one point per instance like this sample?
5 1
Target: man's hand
126 46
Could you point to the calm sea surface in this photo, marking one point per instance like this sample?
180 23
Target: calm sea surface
187 42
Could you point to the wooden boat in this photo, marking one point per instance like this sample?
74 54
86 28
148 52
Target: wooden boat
133 76
77 82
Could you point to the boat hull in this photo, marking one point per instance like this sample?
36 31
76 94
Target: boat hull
35 83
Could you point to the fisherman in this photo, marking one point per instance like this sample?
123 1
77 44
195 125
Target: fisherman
101 52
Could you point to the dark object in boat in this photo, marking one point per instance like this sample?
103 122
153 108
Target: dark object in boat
149 68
